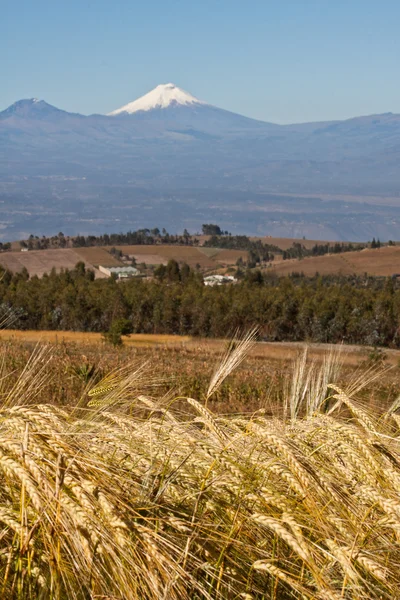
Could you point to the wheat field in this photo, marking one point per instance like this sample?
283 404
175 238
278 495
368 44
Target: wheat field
126 496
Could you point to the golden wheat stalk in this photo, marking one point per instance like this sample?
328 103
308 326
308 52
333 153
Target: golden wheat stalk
234 355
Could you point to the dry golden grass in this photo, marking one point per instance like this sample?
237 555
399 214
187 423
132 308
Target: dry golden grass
79 337
276 351
133 497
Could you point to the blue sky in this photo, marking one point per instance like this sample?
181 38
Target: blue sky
281 60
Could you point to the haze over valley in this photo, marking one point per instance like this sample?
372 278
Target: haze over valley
172 160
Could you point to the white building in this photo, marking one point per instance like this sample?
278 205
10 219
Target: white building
120 272
219 280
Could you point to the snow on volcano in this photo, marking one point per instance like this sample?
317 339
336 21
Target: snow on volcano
162 96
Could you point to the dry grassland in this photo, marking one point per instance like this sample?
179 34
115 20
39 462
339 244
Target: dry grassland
39 262
278 352
188 254
383 261
281 242
98 256
229 257
285 243
89 338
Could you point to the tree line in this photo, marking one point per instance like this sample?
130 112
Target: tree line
354 310
139 237
260 252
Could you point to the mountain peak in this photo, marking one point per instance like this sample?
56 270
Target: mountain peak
162 96
26 102
24 107
32 108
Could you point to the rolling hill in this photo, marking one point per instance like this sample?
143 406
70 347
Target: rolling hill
380 262
384 261
39 262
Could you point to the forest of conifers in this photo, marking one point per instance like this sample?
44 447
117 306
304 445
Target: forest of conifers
354 310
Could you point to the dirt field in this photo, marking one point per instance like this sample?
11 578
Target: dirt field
38 262
382 261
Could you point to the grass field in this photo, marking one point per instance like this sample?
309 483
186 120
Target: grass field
123 482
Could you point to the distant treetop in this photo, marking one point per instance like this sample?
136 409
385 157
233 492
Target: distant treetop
210 229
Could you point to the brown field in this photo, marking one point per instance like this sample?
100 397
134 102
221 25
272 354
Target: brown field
189 254
15 246
281 242
382 261
150 259
275 351
285 243
98 256
229 257
78 337
38 262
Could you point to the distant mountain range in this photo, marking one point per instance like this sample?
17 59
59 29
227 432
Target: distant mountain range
170 160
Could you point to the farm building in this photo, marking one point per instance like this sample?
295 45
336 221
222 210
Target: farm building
219 279
120 272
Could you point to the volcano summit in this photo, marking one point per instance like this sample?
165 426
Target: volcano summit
162 96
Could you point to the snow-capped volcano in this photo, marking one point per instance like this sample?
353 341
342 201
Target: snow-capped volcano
162 96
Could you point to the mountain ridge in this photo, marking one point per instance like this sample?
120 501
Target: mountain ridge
186 100
196 162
